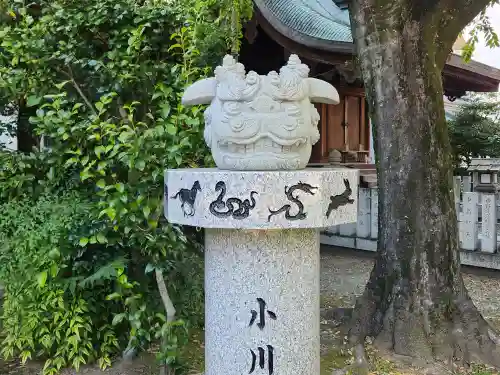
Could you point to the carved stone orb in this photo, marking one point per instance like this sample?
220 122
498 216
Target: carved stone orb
257 122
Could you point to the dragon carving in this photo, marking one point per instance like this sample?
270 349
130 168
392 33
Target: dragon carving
300 215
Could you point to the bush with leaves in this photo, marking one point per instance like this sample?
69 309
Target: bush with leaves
50 309
102 80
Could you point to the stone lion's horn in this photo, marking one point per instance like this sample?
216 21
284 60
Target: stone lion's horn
322 92
200 92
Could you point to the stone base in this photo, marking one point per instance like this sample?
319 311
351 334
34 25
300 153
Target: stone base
309 198
262 302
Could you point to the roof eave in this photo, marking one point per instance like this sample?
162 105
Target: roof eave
476 68
342 4
272 25
480 77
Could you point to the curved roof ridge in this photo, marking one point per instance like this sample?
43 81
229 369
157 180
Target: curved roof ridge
336 14
320 20
322 25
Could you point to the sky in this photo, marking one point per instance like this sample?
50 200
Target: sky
484 53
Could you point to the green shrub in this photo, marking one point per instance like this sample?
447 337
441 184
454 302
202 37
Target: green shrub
48 311
102 81
69 302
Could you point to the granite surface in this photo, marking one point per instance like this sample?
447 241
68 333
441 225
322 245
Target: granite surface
309 198
276 271
261 122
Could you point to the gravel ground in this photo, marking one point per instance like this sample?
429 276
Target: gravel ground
344 274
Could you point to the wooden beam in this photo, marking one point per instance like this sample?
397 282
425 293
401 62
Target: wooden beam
350 90
324 132
251 30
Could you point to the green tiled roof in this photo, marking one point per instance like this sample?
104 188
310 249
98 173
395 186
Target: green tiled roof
321 20
321 24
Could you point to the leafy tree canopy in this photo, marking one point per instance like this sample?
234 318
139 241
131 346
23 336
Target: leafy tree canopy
475 130
481 26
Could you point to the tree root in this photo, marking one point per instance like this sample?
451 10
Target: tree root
338 316
424 330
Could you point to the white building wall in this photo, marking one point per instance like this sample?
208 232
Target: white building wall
371 155
10 142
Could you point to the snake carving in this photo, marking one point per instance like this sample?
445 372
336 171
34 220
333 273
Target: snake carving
234 207
300 215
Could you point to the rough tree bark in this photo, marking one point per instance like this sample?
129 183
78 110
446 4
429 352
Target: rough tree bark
415 303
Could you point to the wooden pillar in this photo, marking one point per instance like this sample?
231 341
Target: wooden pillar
346 123
362 125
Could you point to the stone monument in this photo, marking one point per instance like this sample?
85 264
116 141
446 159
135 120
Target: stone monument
263 210
485 173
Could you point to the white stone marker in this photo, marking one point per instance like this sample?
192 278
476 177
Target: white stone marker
364 205
468 227
374 214
263 213
489 224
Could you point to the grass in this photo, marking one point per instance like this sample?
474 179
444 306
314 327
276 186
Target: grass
194 353
337 359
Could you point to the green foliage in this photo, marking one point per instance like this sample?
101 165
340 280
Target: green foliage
47 313
102 81
475 130
481 26
240 11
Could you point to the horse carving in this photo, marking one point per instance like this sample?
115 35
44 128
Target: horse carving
188 198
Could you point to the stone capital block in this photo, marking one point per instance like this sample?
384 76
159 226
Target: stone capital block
261 122
309 198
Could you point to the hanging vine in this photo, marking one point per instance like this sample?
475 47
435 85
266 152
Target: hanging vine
235 13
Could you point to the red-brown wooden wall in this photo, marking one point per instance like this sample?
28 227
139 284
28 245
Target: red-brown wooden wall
350 110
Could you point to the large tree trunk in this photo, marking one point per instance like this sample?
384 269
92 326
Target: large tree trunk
415 303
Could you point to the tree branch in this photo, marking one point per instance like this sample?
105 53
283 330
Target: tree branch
169 308
167 302
456 15
80 92
86 100
69 74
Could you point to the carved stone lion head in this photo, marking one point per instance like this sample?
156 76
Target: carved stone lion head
259 122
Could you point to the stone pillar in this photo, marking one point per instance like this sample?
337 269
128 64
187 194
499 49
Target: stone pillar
262 210
262 260
262 301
